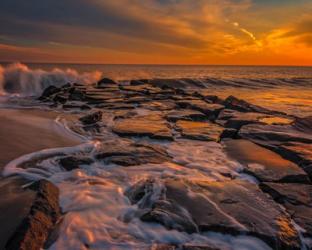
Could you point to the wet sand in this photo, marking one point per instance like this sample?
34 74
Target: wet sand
23 132
26 131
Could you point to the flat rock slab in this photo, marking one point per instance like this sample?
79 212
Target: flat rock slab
232 207
296 198
241 105
159 105
44 213
144 89
206 131
300 153
127 154
211 110
293 141
274 133
186 114
264 164
153 126
235 119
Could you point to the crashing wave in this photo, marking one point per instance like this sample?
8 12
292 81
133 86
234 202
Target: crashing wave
19 79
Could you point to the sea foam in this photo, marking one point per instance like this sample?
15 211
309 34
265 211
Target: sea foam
19 79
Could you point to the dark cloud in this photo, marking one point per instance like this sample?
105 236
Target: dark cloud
39 19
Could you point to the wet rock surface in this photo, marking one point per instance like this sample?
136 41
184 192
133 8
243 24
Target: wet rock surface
209 109
92 118
73 162
231 207
188 115
241 105
206 131
293 141
153 126
297 199
128 154
264 164
44 213
15 203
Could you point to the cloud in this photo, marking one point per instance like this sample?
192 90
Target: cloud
301 31
154 30
183 23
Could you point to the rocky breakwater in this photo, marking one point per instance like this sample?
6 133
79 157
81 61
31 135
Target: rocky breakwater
272 148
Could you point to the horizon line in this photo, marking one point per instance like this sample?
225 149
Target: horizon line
158 64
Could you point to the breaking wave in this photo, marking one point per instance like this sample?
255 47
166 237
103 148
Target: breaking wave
19 79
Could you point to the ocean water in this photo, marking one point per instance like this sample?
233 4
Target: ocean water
288 89
98 215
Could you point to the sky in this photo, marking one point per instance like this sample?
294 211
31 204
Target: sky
238 32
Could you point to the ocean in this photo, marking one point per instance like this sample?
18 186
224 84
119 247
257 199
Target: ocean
276 87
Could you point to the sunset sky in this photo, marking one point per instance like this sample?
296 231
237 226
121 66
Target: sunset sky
265 32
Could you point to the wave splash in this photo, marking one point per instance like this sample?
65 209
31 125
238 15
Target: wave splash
19 79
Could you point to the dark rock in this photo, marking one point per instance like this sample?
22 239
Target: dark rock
92 118
213 99
120 106
15 203
73 162
49 91
139 190
43 216
274 134
137 99
264 164
199 247
145 89
168 83
105 81
206 131
304 124
189 115
296 198
163 247
153 126
240 105
67 86
301 153
85 107
211 110
293 141
229 133
77 95
76 106
124 114
137 82
231 207
62 99
182 83
126 154
159 105
235 119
